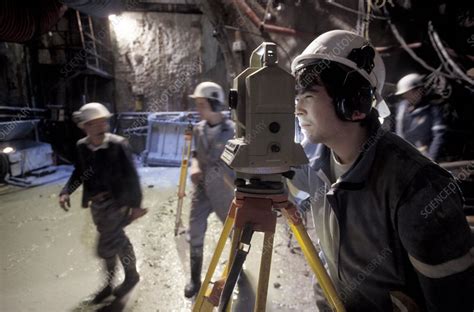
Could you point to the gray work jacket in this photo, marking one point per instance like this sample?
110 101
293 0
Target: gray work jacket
208 154
401 237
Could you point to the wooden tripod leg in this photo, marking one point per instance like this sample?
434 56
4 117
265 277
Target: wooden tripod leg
313 260
201 304
264 273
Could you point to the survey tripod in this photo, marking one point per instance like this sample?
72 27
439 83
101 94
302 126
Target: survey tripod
188 137
254 209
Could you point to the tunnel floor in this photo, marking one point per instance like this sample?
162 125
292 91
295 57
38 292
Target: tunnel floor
48 260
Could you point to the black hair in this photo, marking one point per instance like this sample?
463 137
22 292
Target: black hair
332 76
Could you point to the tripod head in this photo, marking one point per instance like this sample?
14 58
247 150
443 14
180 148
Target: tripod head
262 103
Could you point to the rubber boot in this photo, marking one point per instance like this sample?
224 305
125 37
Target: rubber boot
128 260
107 290
192 288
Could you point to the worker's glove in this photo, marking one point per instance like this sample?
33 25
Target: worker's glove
64 202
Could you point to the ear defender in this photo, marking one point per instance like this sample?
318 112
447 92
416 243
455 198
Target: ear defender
216 106
353 97
213 100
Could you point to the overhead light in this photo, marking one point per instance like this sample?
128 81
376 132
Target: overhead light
8 150
125 28
113 17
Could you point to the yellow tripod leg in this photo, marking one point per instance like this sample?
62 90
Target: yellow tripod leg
264 273
201 304
182 177
313 260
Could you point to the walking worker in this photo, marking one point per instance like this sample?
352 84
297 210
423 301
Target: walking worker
212 178
111 188
389 220
418 120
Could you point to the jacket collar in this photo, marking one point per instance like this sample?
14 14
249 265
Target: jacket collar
357 176
104 145
201 126
224 124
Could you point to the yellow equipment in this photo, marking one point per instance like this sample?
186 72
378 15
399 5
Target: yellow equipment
188 136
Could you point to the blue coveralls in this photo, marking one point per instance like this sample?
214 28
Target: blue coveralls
214 193
423 127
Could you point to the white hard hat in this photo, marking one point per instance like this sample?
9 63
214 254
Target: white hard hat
336 46
209 90
90 111
409 82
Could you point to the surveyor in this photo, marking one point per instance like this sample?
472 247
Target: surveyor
389 220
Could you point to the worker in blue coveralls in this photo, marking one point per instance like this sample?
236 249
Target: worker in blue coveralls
419 121
212 178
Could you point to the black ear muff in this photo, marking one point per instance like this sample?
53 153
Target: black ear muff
353 97
214 101
216 106
343 110
364 97
355 94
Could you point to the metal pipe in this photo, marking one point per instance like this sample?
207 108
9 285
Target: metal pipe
261 25
16 122
22 108
281 30
386 49
30 89
457 164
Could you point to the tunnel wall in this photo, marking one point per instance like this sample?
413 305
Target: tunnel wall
160 57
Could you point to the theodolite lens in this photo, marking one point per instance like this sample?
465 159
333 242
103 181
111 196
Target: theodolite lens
274 127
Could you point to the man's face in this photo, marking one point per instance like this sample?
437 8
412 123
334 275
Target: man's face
203 108
316 115
96 127
413 96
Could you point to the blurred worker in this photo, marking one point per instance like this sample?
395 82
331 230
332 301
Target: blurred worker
418 121
212 178
389 220
111 188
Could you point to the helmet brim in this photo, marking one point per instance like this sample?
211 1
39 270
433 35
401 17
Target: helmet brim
305 60
81 123
405 90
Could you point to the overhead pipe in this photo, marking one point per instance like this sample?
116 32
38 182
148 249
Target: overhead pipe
21 108
266 27
387 49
